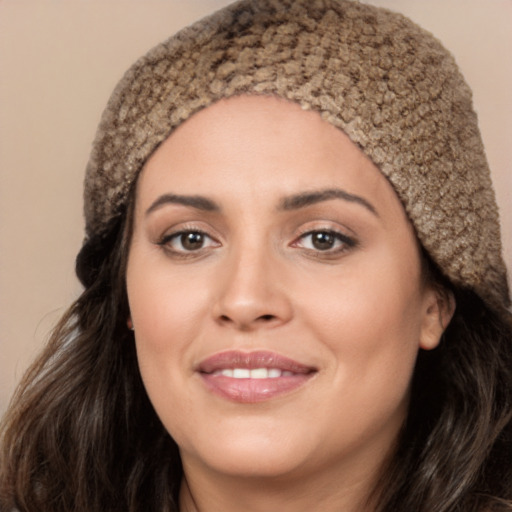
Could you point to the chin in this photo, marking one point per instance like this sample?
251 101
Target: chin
256 452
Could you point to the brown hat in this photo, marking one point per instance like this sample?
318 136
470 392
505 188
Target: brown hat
388 84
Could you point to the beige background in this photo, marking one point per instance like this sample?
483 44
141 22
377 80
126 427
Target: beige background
60 59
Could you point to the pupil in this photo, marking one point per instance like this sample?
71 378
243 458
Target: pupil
323 241
192 241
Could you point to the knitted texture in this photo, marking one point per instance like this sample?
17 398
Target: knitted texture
388 84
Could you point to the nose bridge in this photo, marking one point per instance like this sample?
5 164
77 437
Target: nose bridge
250 293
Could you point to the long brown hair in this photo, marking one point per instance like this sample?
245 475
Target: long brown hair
82 436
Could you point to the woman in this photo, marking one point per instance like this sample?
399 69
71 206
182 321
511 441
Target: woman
294 294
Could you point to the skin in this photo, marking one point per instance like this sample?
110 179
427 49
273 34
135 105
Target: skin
358 311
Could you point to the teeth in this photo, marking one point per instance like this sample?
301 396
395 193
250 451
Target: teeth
241 373
256 373
259 373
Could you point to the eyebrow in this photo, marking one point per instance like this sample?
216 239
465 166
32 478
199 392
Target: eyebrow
198 202
294 202
305 199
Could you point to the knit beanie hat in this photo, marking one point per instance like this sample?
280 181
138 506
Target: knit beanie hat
387 83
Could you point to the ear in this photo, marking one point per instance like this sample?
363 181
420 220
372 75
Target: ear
129 323
439 306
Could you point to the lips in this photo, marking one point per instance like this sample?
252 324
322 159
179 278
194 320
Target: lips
250 377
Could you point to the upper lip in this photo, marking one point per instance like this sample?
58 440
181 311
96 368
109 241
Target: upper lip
252 360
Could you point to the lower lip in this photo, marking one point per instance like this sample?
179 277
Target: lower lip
253 390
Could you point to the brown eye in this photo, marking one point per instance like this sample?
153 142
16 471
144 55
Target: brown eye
192 241
327 241
187 242
323 240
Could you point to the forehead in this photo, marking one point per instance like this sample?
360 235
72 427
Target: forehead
260 147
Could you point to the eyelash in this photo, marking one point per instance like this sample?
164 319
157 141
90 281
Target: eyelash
343 241
166 242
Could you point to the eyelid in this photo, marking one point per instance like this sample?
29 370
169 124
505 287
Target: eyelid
340 236
169 229
164 240
175 234
344 242
347 241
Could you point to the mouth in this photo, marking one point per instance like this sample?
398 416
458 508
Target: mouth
250 377
255 373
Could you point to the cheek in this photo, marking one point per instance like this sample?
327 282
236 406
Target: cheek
165 322
363 299
164 307
166 316
369 319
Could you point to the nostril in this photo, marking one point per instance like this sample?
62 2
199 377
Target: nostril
264 318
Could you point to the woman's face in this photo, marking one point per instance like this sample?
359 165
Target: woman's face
274 285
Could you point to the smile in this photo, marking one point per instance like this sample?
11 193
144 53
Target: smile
256 373
250 377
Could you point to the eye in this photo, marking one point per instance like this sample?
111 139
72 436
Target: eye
325 241
187 241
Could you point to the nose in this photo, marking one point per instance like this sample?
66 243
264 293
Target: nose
252 293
